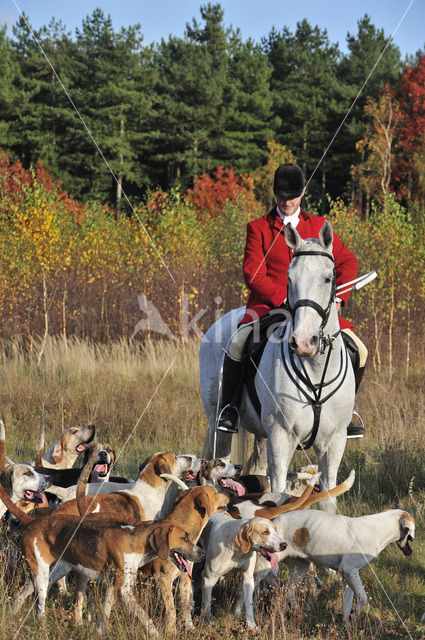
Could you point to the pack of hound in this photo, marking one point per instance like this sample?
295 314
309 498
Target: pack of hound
77 516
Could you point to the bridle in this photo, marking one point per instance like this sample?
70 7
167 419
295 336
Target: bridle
307 302
315 395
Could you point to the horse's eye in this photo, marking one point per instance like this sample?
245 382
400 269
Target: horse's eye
327 280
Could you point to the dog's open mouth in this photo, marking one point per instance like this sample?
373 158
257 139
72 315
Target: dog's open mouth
100 471
406 548
86 445
271 556
35 496
181 563
190 475
232 485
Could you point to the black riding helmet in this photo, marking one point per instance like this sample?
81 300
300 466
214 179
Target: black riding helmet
289 181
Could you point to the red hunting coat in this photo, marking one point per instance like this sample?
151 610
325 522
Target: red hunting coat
267 283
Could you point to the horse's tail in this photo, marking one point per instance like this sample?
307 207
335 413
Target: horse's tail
14 509
306 499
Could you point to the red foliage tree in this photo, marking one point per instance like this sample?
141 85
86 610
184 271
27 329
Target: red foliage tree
13 177
211 192
411 128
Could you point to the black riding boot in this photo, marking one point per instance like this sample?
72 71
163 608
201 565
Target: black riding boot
230 395
357 430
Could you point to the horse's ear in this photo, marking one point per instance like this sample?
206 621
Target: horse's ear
292 236
326 235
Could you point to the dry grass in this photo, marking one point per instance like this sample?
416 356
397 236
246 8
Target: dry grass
146 398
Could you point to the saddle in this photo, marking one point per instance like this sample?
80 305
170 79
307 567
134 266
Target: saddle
256 342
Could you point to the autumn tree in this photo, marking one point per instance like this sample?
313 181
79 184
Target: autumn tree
374 173
411 131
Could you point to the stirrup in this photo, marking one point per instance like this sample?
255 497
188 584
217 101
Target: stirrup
230 427
361 432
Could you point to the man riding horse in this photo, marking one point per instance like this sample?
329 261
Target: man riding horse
265 265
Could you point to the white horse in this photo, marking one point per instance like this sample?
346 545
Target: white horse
304 381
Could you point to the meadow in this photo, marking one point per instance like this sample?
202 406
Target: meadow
145 397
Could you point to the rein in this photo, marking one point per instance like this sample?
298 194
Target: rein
315 389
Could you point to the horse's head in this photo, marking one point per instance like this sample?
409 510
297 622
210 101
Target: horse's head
311 288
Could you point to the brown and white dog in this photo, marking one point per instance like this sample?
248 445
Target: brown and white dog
232 545
19 481
101 471
262 506
142 500
66 450
192 511
95 546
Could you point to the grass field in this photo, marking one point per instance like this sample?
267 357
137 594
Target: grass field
146 398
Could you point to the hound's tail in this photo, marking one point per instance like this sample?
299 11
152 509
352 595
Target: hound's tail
14 509
332 493
2 446
82 482
41 443
306 499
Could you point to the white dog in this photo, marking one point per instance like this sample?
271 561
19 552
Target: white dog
341 543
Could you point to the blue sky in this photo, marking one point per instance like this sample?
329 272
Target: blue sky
255 18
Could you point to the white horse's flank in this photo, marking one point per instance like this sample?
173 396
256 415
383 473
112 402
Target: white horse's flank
286 414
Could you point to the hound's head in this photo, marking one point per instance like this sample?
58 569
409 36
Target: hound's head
171 541
22 482
203 500
259 534
407 533
221 471
103 463
73 441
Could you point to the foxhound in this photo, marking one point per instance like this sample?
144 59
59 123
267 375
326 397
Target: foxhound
232 545
269 506
341 543
95 546
66 450
192 510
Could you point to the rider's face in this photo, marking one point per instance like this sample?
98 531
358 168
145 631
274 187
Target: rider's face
289 207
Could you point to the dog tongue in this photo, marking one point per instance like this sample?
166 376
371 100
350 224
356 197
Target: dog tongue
273 560
271 557
82 447
186 565
43 498
229 483
190 475
98 469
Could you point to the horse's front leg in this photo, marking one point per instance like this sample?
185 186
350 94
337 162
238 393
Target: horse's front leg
328 462
280 449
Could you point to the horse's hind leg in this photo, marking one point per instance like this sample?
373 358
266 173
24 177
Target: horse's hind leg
257 462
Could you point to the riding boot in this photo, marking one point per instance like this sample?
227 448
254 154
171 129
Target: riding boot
230 395
357 430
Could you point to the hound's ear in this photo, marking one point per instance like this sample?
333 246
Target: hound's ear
292 237
162 466
407 524
203 504
158 540
6 480
326 235
243 538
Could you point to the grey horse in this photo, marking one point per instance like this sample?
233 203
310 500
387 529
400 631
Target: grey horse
304 381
